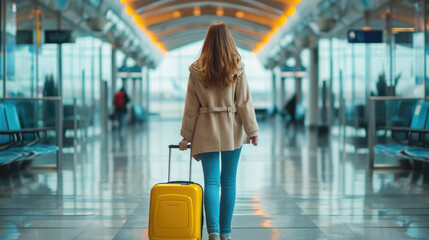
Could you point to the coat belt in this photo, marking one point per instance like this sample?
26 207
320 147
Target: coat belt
218 109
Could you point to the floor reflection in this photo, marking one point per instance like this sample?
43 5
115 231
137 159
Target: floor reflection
295 185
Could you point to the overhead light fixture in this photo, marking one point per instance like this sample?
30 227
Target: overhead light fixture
282 20
322 24
197 11
219 11
291 10
396 30
296 2
239 14
97 23
177 14
140 22
129 10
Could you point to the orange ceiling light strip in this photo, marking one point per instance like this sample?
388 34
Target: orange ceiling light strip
290 11
177 14
239 14
197 11
139 21
219 11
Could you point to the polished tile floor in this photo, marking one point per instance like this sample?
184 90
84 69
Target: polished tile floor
295 185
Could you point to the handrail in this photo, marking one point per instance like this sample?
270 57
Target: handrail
378 98
32 98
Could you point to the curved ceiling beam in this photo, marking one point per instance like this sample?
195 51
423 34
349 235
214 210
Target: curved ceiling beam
280 6
250 17
197 35
149 6
143 5
176 44
204 28
208 19
253 22
202 33
202 4
263 4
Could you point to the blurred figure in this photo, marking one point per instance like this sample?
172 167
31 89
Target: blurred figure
381 85
49 87
120 102
290 108
48 91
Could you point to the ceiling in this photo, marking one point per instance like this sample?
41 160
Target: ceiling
172 24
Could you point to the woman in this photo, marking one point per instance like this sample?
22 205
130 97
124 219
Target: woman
218 115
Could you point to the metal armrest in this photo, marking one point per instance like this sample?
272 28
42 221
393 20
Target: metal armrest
18 134
27 130
403 129
420 130
411 130
9 145
395 131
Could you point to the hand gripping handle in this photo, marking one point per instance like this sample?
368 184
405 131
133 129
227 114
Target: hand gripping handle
169 161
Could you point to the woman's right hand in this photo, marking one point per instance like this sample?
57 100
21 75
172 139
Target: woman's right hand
183 145
255 140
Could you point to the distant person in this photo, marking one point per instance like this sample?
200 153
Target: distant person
290 107
49 86
120 102
219 117
48 91
382 85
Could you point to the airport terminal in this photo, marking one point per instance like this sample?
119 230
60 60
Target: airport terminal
97 95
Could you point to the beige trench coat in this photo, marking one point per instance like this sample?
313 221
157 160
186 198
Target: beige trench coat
218 119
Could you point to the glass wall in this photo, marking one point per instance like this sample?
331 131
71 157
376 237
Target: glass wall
305 87
394 67
426 50
32 69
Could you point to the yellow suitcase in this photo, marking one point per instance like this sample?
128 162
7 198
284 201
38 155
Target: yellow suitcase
176 208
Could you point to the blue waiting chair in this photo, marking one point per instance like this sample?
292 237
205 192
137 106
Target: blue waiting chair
420 152
411 134
7 156
16 135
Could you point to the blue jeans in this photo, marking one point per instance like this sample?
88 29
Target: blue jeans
122 119
219 216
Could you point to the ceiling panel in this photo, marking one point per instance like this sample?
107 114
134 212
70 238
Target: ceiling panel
177 23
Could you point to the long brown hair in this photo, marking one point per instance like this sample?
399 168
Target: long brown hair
219 57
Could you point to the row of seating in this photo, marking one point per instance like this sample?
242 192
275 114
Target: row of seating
410 142
355 115
19 146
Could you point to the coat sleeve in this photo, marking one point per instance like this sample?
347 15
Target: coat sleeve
245 107
190 115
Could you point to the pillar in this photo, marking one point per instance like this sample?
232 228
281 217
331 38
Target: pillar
273 90
282 93
298 80
147 89
276 79
114 70
141 94
314 87
104 112
134 92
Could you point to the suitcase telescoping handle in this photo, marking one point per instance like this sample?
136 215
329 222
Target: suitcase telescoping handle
169 161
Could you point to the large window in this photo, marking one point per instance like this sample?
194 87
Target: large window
168 82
